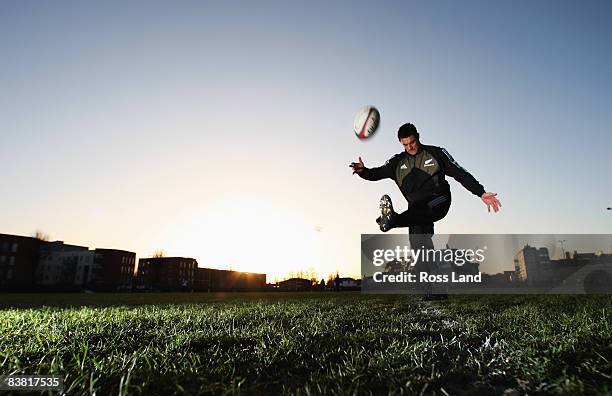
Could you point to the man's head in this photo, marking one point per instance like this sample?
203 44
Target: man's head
409 138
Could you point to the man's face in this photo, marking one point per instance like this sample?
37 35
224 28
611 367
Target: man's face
411 144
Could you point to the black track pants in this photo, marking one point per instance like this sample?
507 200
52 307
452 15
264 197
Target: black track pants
420 216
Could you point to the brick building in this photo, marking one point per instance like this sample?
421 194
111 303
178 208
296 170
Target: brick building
113 269
166 274
208 279
18 260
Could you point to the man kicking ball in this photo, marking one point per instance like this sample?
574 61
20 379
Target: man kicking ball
419 171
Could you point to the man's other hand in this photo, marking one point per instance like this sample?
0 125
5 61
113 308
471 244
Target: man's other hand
357 166
489 199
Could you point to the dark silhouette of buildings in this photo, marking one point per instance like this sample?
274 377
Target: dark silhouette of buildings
31 264
183 274
575 273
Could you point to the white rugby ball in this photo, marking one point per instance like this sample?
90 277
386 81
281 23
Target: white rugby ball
366 122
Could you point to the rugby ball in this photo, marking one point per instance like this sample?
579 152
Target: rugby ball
366 122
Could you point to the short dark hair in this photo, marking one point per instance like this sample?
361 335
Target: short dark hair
407 130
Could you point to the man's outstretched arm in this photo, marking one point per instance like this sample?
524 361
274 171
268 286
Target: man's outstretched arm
456 171
372 174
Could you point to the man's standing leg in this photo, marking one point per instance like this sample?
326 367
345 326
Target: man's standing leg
419 218
420 238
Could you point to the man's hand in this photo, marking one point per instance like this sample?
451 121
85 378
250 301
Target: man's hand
489 199
357 166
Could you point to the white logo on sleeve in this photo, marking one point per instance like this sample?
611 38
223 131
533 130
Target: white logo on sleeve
403 166
429 162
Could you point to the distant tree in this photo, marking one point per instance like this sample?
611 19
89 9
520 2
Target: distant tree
159 253
41 236
312 275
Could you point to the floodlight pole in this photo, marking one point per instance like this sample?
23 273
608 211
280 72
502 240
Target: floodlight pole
610 208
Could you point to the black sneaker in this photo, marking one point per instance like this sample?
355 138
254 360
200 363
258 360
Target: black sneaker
387 214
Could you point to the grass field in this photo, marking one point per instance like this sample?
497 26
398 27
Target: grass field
311 343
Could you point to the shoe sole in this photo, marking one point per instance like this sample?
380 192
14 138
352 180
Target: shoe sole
386 211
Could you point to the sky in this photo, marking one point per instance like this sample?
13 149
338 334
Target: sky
223 130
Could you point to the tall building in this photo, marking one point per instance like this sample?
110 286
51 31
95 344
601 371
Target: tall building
532 265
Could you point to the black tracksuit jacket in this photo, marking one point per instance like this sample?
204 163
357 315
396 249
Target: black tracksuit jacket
421 177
